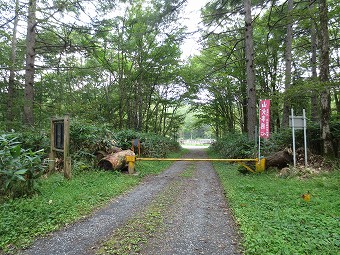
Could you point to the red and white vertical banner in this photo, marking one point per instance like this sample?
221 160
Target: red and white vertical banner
264 118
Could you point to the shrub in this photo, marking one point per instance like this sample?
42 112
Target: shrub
152 145
234 146
33 140
19 168
86 139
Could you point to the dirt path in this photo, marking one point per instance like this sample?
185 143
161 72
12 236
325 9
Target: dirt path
194 221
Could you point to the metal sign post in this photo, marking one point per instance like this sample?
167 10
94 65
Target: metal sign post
299 122
293 134
60 141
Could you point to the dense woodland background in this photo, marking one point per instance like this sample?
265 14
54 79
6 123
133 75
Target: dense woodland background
119 63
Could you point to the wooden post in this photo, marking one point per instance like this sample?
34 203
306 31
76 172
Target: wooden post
67 158
60 141
52 154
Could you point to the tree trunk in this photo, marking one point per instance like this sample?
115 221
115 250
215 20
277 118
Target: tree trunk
11 81
324 78
244 108
249 54
30 69
288 63
337 101
314 97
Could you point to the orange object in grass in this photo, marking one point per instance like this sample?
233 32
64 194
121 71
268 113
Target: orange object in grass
306 197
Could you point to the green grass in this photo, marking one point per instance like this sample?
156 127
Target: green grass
274 219
60 202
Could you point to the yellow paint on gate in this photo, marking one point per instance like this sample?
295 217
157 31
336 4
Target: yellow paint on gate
259 164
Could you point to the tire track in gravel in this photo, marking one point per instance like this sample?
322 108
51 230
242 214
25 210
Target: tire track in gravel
198 223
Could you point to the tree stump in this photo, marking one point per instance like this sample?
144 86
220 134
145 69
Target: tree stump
279 159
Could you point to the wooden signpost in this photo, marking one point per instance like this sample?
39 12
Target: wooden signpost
60 142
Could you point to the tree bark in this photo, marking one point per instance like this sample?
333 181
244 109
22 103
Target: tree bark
11 81
314 97
279 159
30 68
249 54
288 64
115 161
324 78
337 101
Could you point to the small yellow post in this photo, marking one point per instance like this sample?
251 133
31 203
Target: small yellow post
260 165
131 163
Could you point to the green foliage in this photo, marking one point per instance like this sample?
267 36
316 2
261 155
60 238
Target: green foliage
234 146
274 219
279 141
86 139
34 140
19 168
238 145
152 145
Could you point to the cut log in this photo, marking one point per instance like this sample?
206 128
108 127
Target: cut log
279 159
115 161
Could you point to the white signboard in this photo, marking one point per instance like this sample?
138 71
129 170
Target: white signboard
299 122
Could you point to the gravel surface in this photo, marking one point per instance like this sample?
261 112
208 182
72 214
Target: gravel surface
198 223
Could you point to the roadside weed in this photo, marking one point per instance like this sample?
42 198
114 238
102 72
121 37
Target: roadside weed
273 217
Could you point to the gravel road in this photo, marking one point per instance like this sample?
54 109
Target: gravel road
198 222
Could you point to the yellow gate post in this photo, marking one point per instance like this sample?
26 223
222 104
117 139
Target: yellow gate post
131 163
260 165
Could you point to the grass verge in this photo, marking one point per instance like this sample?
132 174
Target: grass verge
61 202
274 219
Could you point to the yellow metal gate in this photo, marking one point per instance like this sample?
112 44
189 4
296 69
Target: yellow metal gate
259 164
